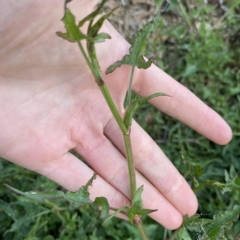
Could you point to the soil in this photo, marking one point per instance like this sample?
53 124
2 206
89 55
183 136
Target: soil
130 15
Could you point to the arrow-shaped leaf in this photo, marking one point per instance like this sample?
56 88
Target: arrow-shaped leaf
136 51
78 198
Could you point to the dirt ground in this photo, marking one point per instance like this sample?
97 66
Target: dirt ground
131 15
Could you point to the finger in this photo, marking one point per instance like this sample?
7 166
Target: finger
182 105
111 165
156 167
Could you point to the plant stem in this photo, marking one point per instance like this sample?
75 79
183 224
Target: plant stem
93 64
175 234
141 230
94 67
130 87
86 58
131 167
165 234
113 108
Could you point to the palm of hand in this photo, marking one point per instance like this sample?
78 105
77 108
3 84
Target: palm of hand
51 104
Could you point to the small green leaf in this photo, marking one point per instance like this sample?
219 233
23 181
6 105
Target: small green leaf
135 58
183 234
101 37
136 51
137 199
114 66
102 202
137 204
7 209
135 105
94 29
92 15
73 33
144 211
231 184
116 212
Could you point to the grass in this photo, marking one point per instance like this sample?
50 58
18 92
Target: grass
199 45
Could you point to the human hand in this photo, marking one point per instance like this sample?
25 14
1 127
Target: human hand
51 104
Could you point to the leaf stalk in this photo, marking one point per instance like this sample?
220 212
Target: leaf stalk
131 167
130 87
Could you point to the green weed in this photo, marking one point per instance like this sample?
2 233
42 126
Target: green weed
199 45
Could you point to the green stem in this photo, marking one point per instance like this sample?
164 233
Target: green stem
131 167
113 108
141 231
96 71
86 58
175 234
165 234
130 87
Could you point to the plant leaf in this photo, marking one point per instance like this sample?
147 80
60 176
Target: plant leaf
7 209
135 105
137 204
183 234
94 29
136 51
102 202
214 229
78 198
93 14
135 58
221 222
231 184
115 213
73 33
101 37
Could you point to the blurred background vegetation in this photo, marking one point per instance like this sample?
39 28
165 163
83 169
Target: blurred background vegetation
198 43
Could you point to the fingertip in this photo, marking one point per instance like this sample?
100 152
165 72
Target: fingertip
168 219
175 222
226 134
214 127
192 206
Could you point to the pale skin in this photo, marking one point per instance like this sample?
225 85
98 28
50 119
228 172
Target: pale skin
51 104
